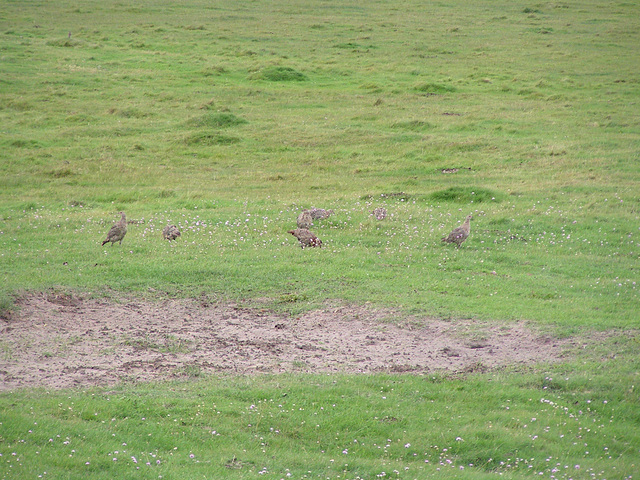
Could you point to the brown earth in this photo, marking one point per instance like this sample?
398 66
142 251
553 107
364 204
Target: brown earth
60 340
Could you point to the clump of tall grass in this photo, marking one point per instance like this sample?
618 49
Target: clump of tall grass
216 120
467 195
280 74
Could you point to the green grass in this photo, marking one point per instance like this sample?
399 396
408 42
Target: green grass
541 267
228 118
180 113
561 422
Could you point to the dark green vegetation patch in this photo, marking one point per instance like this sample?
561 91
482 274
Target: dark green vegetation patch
466 195
217 120
280 74
211 139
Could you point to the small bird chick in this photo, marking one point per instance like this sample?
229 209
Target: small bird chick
306 238
380 213
170 232
117 231
320 213
305 220
459 234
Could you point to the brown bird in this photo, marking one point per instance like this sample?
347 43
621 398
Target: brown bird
320 213
118 231
459 234
306 238
170 232
305 220
380 213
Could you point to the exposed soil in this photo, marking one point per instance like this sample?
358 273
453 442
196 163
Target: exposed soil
59 340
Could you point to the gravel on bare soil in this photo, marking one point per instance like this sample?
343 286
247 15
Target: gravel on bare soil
61 340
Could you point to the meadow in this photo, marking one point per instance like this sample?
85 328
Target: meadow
230 118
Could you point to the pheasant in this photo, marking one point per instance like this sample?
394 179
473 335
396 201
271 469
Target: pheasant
170 232
118 231
459 234
306 238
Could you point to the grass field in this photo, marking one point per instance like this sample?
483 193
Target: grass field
229 118
508 425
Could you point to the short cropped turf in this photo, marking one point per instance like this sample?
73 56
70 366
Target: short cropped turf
229 118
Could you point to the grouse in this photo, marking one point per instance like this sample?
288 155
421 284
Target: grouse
170 232
320 213
306 238
459 234
118 231
380 213
305 220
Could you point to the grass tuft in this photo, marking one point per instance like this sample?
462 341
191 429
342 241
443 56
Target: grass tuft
434 88
413 125
217 120
467 195
280 74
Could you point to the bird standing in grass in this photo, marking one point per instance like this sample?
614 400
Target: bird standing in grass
305 220
170 232
320 213
118 231
459 234
380 213
306 238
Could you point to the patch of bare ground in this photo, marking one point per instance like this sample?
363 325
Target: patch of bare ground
60 340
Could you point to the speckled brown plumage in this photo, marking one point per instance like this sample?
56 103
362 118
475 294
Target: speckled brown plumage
380 213
170 232
306 238
118 231
320 213
304 219
459 234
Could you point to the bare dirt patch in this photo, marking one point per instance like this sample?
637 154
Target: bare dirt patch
59 340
